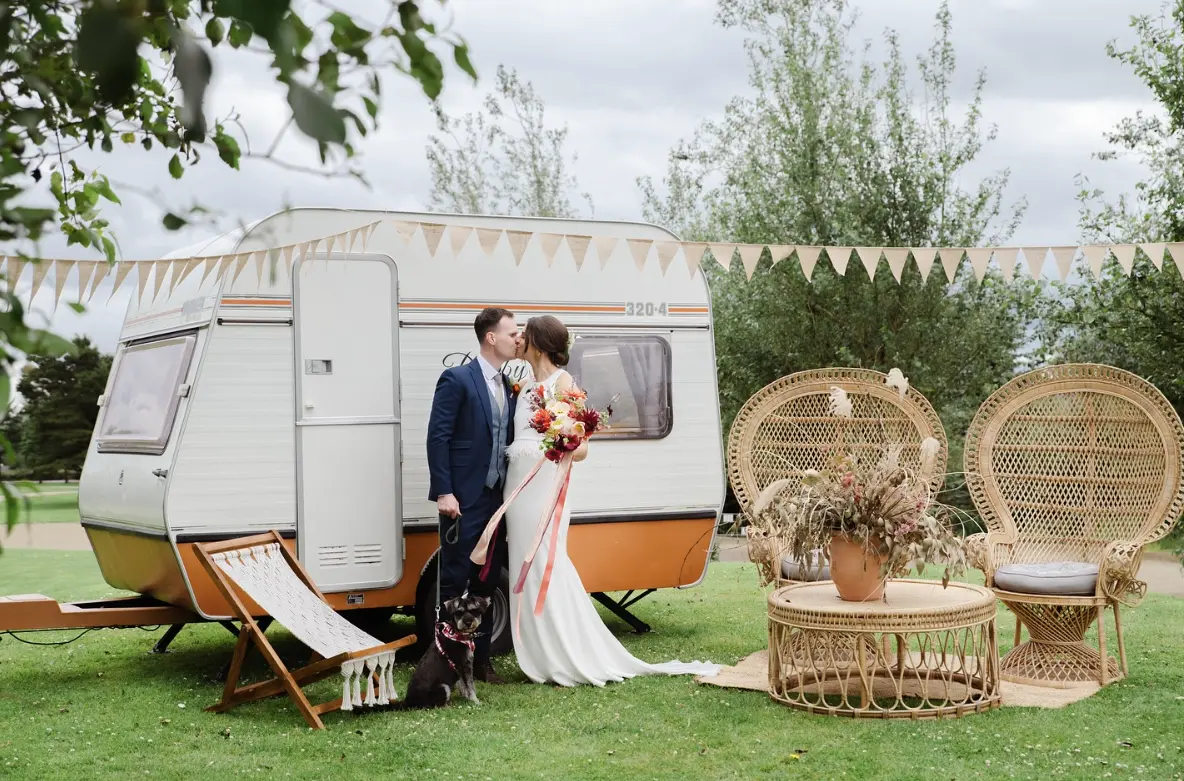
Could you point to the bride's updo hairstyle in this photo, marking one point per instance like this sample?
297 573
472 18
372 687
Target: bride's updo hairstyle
548 335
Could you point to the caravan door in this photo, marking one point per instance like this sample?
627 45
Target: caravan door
345 309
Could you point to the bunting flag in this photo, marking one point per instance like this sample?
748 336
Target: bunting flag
150 276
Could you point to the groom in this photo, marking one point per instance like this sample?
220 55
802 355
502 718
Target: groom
471 425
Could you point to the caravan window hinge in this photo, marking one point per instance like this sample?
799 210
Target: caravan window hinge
102 399
183 391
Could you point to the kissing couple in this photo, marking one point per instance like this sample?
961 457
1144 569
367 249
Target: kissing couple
480 447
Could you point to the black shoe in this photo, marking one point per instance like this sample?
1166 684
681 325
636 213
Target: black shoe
485 672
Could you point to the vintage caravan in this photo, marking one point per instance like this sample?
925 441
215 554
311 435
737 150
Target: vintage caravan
294 395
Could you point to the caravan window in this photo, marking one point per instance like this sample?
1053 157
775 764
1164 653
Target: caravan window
139 411
636 370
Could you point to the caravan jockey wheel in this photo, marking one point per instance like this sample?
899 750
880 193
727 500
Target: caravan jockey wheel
496 619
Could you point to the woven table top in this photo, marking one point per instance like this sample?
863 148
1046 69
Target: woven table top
908 605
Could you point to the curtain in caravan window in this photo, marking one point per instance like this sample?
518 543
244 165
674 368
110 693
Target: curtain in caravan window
644 364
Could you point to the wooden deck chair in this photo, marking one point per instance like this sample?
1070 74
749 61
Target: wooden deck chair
262 568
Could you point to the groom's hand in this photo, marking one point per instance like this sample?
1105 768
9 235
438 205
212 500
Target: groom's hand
447 505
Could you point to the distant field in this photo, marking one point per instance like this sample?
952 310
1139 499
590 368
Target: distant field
50 503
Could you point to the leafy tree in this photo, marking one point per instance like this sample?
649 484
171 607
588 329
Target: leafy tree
60 410
93 74
503 159
831 150
1135 321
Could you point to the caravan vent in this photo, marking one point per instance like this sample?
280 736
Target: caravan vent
368 554
332 556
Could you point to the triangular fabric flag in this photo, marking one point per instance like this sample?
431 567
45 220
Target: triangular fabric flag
432 234
162 268
692 253
226 261
1064 258
1176 253
808 259
240 264
406 230
187 268
1007 257
578 245
980 258
870 257
329 242
101 271
839 258
488 239
122 270
211 264
896 257
1155 253
640 250
270 261
40 269
286 256
604 248
666 252
1125 255
61 270
750 257
779 252
951 258
352 239
723 254
518 241
1034 258
458 236
12 272
1095 257
923 257
368 233
143 269
549 244
86 270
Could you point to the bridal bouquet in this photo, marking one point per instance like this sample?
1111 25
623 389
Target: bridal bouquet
565 419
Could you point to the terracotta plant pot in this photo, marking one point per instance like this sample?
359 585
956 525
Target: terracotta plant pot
855 570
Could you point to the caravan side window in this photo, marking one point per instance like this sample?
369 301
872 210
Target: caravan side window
139 411
634 369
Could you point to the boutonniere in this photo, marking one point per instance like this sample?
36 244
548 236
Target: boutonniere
516 387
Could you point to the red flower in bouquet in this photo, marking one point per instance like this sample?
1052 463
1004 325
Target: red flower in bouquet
565 419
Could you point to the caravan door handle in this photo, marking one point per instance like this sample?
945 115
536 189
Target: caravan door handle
160 472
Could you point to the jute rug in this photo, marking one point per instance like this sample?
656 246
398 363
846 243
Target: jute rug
752 672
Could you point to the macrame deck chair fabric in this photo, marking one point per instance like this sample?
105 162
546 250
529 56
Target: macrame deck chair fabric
787 428
1073 469
263 569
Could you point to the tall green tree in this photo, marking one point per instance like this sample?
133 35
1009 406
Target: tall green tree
1135 321
60 409
831 149
504 158
95 74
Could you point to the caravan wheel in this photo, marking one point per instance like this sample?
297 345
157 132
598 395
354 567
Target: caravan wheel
497 619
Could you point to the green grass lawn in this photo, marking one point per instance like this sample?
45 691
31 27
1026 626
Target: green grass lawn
56 505
102 708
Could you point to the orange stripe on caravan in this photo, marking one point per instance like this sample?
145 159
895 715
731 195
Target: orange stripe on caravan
689 310
257 302
518 307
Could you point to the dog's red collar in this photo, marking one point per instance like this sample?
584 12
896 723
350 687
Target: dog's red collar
444 629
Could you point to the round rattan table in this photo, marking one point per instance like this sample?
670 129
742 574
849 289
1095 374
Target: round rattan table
922 652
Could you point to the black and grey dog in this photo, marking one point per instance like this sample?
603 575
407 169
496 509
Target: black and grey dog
448 662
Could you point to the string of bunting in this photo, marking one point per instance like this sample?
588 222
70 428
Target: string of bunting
151 274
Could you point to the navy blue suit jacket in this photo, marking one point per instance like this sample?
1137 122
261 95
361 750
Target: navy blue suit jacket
460 433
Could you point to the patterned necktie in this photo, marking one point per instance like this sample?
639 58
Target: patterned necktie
498 393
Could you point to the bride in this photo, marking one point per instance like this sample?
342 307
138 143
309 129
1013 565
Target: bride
567 644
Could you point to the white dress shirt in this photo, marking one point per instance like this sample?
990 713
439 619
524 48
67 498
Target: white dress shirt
493 382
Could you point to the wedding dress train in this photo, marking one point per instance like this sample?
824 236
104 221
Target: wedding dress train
568 643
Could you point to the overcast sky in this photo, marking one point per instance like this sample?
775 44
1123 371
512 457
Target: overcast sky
632 77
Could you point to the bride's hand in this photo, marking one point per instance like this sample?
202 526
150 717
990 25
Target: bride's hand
581 452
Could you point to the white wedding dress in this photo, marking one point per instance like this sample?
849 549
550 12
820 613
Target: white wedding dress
567 644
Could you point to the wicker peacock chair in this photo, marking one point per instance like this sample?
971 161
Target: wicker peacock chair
1074 469
787 427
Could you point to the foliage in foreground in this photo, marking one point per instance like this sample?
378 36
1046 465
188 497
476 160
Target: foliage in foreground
103 708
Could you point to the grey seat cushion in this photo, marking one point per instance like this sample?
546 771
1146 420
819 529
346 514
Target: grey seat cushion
1055 578
791 571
